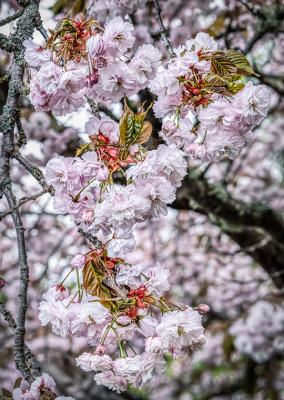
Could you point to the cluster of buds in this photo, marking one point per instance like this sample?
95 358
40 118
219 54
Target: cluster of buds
194 90
68 40
140 296
109 153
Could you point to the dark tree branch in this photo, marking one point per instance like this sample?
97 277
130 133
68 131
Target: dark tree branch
20 359
95 241
33 169
33 364
24 30
257 229
163 31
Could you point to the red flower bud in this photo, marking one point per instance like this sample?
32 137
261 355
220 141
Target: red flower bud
203 308
2 283
91 80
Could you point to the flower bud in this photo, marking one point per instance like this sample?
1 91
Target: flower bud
78 261
2 283
60 292
203 308
100 350
91 80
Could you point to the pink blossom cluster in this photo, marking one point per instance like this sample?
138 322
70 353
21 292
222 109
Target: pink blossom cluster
41 388
224 124
101 72
116 303
82 315
102 206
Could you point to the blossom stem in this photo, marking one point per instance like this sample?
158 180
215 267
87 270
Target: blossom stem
100 195
78 194
79 287
131 347
121 352
61 283
108 329
71 301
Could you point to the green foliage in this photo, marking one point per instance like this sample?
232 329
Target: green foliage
133 129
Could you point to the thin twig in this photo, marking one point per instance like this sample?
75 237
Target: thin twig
11 18
95 241
23 201
163 31
33 169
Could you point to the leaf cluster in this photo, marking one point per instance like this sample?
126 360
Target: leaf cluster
227 68
133 129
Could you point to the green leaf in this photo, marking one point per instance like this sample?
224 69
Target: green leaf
221 65
214 80
236 78
235 87
133 129
241 62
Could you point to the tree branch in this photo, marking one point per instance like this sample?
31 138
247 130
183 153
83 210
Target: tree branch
14 43
257 229
23 201
163 31
11 18
20 359
33 364
34 171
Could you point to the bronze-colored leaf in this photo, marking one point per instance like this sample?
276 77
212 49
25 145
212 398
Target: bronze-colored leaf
145 133
75 7
18 382
126 127
58 6
126 107
93 281
241 62
143 114
222 66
